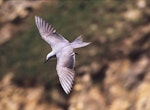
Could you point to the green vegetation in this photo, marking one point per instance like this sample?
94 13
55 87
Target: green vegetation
24 55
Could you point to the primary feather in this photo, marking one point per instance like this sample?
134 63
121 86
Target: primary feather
63 50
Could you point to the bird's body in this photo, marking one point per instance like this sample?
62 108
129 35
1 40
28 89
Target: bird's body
62 49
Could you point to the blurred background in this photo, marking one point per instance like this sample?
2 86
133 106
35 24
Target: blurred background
113 73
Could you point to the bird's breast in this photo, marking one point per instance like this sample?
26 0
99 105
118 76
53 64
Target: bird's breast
64 53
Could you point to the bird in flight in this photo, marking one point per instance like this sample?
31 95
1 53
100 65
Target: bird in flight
62 49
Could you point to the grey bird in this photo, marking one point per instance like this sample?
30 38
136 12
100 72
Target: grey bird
62 50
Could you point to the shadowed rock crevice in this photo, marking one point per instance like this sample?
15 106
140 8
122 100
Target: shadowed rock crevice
100 75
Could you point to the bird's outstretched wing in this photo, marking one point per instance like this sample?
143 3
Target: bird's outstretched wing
65 70
48 32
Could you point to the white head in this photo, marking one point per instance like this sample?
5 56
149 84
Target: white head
49 56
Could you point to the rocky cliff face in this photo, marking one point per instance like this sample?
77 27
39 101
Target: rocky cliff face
12 12
117 73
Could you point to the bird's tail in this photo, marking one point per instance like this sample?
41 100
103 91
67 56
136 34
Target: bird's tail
77 43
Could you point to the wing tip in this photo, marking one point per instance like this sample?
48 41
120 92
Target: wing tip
36 17
66 78
46 27
67 88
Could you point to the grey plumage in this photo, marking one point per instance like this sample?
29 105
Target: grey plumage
63 50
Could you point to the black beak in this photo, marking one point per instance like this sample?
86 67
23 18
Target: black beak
49 58
46 61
